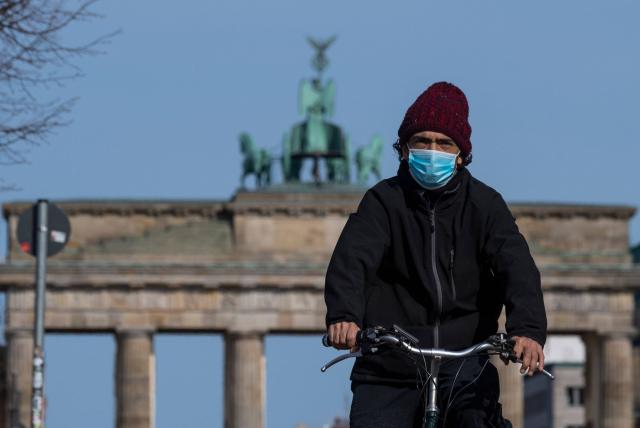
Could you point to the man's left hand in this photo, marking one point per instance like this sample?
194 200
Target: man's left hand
531 354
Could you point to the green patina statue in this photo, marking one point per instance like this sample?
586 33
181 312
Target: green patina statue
316 138
368 160
256 161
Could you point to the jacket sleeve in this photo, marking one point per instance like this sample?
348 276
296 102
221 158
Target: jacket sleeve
355 259
516 274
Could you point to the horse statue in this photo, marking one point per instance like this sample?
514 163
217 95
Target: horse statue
368 160
256 161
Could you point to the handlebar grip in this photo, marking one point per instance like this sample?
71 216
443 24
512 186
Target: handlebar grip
325 341
361 337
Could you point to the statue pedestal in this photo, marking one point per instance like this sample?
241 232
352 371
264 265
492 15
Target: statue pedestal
300 221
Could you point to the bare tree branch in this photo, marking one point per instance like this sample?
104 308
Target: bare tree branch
33 56
7 187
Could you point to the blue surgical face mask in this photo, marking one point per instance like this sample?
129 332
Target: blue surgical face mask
432 169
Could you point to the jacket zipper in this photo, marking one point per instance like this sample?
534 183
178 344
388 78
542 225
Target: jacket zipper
434 267
453 282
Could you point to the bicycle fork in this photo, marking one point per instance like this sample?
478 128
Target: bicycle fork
432 411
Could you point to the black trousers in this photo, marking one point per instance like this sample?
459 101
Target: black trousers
472 401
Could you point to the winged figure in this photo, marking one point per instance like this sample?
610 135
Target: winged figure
317 98
320 61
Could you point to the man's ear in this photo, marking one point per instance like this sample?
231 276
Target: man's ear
459 161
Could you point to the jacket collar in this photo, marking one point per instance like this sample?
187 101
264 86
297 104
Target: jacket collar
418 194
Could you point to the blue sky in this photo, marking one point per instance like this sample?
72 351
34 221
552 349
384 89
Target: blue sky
553 90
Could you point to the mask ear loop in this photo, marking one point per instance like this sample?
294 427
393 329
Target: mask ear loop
456 161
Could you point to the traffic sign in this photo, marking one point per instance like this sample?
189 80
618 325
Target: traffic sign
58 230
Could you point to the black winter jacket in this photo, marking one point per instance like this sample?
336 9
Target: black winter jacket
439 264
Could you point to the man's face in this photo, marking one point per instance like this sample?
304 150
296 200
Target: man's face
429 140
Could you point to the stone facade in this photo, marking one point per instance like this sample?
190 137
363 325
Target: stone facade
255 265
558 403
568 409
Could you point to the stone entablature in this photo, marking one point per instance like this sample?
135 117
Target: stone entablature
231 274
299 224
269 301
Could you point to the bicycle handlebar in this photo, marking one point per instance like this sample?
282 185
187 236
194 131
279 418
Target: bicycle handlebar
370 339
427 352
435 352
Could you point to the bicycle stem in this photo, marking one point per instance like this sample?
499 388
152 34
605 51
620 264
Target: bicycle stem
432 405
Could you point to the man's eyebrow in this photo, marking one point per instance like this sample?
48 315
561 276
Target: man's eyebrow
420 139
429 140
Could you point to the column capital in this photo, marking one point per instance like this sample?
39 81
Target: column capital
18 332
245 334
628 334
135 331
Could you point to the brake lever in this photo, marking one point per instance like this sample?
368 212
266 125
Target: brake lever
406 335
339 358
367 344
506 344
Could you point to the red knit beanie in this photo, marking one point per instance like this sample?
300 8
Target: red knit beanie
441 108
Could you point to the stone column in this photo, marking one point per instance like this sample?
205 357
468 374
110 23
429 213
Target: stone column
617 382
593 369
511 392
636 375
19 377
135 379
244 380
511 385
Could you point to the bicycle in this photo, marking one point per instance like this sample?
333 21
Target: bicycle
370 341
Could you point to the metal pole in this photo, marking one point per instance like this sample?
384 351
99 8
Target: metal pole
37 401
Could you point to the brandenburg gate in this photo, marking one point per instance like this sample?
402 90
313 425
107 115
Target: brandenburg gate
254 265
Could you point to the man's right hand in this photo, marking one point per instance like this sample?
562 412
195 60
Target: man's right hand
342 335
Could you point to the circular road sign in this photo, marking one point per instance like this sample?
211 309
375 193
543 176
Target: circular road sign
59 230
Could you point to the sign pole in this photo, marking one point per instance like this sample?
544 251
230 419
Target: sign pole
43 231
37 402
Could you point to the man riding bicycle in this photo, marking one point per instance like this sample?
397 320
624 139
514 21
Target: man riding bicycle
438 253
